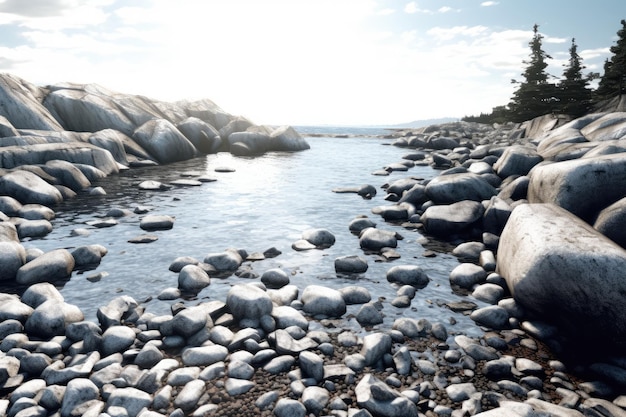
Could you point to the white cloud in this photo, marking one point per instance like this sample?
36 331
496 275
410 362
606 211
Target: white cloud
412 8
489 3
445 34
447 9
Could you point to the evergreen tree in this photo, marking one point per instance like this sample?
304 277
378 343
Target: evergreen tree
613 81
573 91
535 96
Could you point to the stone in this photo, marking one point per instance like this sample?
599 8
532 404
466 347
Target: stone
488 293
226 261
50 267
248 302
236 386
357 225
204 355
375 346
452 219
163 141
610 222
448 189
189 396
86 256
468 251
311 365
240 370
12 258
284 343
275 278
193 278
408 275
35 212
550 260
315 399
28 188
494 317
369 315
156 222
287 316
318 300
581 186
460 392
117 339
187 322
381 400
204 137
78 392
286 407
351 264
374 239
131 399
67 174
51 318
320 238
466 275
33 228
354 294
516 160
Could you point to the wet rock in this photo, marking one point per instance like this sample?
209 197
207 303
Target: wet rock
88 255
323 301
67 174
204 355
201 134
494 317
351 264
163 141
189 396
359 224
275 278
131 399
33 228
226 261
187 322
381 400
353 294
28 188
156 222
117 339
488 293
35 212
248 302
448 189
375 239
369 315
375 345
466 275
51 318
49 267
286 316
78 392
116 311
452 219
320 238
408 275
286 407
193 278
12 258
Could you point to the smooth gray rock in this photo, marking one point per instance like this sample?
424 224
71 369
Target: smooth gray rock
201 134
448 189
12 258
9 367
369 315
33 228
21 104
11 308
204 355
556 267
163 141
49 267
375 239
456 218
318 300
466 275
115 142
226 261
131 399
469 251
275 278
193 278
286 407
354 294
381 400
248 143
117 310
311 365
611 220
516 160
157 222
28 188
189 396
117 339
284 343
351 264
67 174
287 316
375 345
248 302
494 317
51 318
359 224
315 399
279 364
320 238
460 392
78 392
488 293
89 255
408 275
35 212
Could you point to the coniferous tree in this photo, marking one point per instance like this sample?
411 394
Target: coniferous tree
535 96
573 91
613 81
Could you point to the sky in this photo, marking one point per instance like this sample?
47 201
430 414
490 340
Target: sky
305 62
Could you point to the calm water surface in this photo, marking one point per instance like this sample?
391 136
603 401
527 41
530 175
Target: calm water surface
267 202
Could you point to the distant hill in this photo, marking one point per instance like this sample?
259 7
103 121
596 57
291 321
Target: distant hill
422 123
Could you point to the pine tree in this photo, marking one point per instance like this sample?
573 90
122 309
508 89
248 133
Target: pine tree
535 96
613 81
573 91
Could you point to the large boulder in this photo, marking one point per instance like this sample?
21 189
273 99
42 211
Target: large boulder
248 143
381 400
162 140
452 219
318 300
452 188
611 222
20 102
287 139
28 188
581 186
248 302
67 174
202 135
49 267
516 160
561 270
608 126
12 257
112 141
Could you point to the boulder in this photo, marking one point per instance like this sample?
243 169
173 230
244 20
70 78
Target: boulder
28 188
560 269
10 206
49 267
375 239
33 228
611 222
582 186
113 141
156 222
248 302
517 160
8 232
318 300
408 275
447 189
51 318
161 139
67 174
608 126
193 278
248 143
456 218
20 102
320 238
381 400
37 294
352 264
275 278
202 135
12 258
227 261
287 139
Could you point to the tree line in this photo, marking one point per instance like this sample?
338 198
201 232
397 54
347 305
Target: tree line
536 95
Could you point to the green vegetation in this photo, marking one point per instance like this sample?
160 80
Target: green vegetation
536 95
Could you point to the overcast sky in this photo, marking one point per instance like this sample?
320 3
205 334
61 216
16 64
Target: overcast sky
304 62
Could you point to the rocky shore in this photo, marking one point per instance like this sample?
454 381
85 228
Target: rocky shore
533 211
